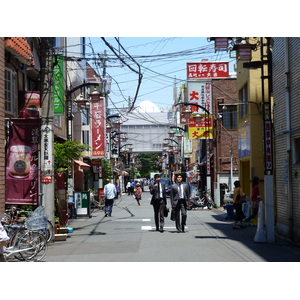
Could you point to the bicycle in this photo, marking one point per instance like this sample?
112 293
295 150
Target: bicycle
96 204
27 242
48 231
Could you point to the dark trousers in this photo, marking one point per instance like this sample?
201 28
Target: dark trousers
108 206
159 217
180 207
239 214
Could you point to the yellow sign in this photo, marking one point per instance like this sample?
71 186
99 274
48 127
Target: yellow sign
200 133
201 130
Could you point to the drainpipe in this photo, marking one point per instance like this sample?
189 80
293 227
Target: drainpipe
288 136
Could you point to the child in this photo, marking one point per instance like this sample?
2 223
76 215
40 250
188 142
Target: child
138 193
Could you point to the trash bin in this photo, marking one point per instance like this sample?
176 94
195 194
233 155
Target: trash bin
230 211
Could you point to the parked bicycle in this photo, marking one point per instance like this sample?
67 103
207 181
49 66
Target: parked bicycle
96 204
14 214
27 242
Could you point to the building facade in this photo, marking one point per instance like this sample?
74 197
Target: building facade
2 127
286 75
225 130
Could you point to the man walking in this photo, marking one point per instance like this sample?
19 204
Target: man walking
159 202
179 196
109 194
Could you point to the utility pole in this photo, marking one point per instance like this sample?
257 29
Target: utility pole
47 187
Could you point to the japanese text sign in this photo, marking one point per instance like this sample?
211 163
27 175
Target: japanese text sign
202 130
207 70
268 146
200 93
98 126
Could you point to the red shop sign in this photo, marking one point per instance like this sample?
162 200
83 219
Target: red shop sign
207 70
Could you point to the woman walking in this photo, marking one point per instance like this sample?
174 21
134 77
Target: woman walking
255 198
239 214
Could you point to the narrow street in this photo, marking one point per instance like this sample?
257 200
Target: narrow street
130 236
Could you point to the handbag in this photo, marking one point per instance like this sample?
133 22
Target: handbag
240 199
172 215
166 211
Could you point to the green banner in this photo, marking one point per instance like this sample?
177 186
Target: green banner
58 85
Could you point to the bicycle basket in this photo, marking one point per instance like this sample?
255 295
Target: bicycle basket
36 223
39 211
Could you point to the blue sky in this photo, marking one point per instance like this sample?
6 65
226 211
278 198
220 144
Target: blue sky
159 64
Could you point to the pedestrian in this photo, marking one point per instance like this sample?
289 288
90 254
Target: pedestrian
118 191
138 193
4 239
132 187
179 196
239 214
128 187
255 198
159 202
109 195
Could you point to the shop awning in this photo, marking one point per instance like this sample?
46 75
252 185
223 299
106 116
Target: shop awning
82 165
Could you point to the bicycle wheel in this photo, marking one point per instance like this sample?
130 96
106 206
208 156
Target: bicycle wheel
209 204
32 245
48 232
42 247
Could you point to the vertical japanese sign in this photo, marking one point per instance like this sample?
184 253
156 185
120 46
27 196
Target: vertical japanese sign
22 162
268 146
58 86
207 70
98 126
200 93
46 154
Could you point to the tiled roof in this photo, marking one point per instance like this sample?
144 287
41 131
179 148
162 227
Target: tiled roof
19 46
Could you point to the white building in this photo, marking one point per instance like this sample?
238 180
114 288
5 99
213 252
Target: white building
147 127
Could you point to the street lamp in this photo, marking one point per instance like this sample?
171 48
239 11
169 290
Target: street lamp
171 140
199 119
130 148
193 104
176 127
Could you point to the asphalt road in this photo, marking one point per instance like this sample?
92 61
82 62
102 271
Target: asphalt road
130 236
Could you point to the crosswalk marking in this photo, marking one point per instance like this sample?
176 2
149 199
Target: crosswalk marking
139 220
151 227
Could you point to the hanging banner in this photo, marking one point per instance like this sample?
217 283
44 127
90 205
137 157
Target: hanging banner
207 70
98 125
31 105
58 86
22 162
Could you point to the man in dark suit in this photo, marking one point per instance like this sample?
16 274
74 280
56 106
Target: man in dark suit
159 202
180 195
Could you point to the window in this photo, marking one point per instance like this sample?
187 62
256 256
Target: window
86 137
10 91
230 117
297 150
244 100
